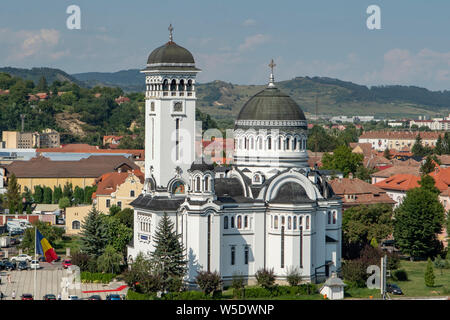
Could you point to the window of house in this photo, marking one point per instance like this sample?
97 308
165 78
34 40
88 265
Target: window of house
329 217
246 251
206 183
76 225
108 203
334 217
198 184
119 204
233 255
232 222
225 222
246 222
239 222
132 193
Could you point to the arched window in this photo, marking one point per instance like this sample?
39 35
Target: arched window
282 220
239 222
173 85
207 183
307 222
181 86
289 223
280 146
286 144
295 223
269 143
76 225
189 85
165 85
251 143
225 222
294 144
260 143
245 222
276 222
198 185
300 221
232 222
329 217
334 217
245 143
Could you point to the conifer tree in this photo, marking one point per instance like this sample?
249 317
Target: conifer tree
168 257
94 236
38 194
12 197
439 148
429 274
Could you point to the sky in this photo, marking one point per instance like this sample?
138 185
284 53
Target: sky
234 40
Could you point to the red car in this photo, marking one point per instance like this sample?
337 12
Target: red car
66 263
27 296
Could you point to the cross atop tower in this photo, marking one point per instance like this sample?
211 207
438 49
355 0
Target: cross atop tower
272 79
170 33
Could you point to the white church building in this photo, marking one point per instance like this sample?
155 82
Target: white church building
266 210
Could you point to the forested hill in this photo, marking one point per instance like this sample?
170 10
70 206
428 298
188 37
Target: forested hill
224 100
35 74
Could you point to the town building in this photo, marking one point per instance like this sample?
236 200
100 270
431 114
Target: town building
267 210
380 140
117 188
48 138
47 173
355 192
75 217
391 171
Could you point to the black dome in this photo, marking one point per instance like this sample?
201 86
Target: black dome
170 53
271 104
203 166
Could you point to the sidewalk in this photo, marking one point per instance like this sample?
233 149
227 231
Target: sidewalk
49 282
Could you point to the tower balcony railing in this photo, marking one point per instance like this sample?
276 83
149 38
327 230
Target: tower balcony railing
156 94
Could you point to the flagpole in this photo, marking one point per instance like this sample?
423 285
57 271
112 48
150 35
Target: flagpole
35 269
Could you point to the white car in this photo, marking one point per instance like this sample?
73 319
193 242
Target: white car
35 264
21 257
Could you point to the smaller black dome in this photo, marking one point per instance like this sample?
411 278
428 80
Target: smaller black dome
170 53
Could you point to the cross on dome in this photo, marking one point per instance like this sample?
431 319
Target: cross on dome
170 33
272 79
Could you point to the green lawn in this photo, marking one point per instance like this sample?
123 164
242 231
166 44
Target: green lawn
72 242
415 286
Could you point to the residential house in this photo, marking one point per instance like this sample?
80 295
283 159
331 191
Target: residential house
118 188
394 170
75 217
380 140
356 192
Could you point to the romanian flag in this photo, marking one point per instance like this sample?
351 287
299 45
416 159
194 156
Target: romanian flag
44 248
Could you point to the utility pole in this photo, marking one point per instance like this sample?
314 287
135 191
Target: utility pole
383 277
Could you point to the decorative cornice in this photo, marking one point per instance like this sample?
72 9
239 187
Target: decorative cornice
272 123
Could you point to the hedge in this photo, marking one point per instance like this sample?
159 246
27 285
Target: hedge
277 291
133 295
186 295
96 277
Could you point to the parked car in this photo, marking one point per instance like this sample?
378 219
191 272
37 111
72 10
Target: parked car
23 265
113 297
9 265
35 264
15 232
21 257
66 263
27 296
49 296
73 297
393 288
95 297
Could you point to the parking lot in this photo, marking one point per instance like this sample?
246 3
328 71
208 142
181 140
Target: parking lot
49 281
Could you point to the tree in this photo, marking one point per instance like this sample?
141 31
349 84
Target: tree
361 224
208 281
110 260
47 195
68 190
42 85
387 153
126 216
57 194
342 159
12 197
168 256
418 220
94 237
51 233
78 195
429 164
429 274
64 203
118 234
419 150
141 277
439 148
113 210
38 194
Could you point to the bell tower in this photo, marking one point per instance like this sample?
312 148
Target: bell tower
169 113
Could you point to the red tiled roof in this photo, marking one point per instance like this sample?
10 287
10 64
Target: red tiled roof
109 182
389 172
400 182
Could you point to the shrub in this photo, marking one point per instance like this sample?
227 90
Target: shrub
400 275
208 281
429 274
265 278
238 286
186 295
257 292
293 276
174 284
354 272
96 277
133 295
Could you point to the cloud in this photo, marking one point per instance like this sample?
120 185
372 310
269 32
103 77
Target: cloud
23 44
400 66
249 23
253 41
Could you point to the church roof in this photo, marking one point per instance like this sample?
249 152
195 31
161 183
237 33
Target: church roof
291 192
157 203
171 56
271 104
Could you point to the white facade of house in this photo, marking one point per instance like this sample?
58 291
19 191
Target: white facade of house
268 210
